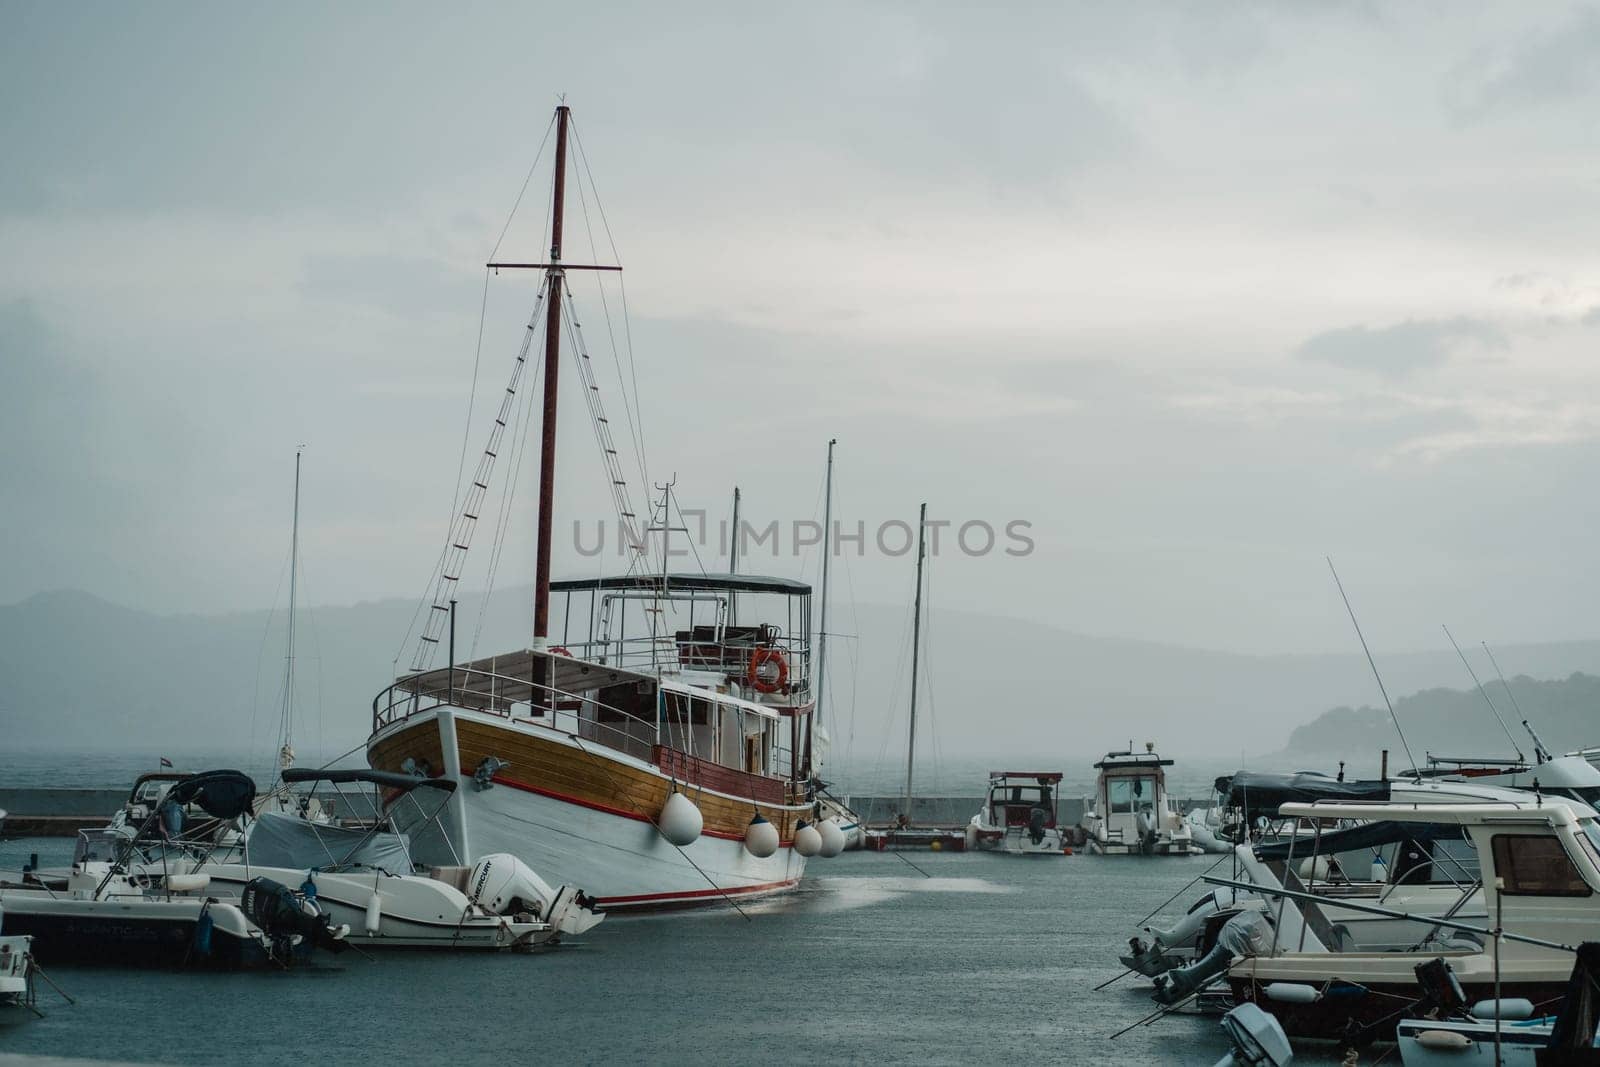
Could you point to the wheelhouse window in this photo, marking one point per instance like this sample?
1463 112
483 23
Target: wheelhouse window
1129 795
1537 865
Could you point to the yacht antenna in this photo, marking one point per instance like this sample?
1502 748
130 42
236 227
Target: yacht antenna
1540 753
733 548
286 749
827 550
1493 710
733 561
916 639
1378 677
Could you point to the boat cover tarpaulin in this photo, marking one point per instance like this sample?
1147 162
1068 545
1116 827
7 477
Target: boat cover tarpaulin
220 794
289 841
1367 835
1256 793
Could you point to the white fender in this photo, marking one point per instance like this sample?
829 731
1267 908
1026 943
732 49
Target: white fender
187 883
374 914
807 841
832 838
680 821
760 838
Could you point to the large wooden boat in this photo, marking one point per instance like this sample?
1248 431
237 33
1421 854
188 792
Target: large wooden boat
574 777
658 749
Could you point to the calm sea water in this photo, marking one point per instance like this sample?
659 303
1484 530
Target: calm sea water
990 960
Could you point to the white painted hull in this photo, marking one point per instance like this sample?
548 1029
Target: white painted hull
1427 1043
1016 842
414 912
621 860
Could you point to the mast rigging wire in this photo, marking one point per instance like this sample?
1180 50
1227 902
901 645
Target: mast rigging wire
637 419
472 393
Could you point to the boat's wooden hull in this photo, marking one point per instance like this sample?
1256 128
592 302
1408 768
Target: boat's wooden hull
582 814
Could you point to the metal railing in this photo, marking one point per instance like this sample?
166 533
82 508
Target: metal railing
581 717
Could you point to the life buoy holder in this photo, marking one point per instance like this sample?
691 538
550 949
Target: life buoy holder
559 650
758 680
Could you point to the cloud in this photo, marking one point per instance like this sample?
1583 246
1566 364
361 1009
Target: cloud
1402 349
1558 65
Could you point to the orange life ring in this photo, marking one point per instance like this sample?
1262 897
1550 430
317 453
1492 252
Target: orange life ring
759 659
559 650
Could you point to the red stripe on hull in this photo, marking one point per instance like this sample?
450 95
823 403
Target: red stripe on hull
698 896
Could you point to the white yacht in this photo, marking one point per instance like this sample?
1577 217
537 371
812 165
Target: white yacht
1131 812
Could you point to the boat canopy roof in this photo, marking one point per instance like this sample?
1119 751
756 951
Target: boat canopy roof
386 779
1036 776
220 794
1131 759
1546 811
497 682
1260 793
1367 835
733 583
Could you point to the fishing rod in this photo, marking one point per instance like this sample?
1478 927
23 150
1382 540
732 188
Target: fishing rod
1484 693
1540 753
1415 770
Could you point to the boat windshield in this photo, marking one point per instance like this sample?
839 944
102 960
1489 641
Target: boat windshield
1130 795
1032 795
1590 837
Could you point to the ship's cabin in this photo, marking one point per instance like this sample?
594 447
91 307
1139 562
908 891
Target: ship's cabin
745 635
1013 796
1132 790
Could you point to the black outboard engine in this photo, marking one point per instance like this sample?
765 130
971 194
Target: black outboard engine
281 913
1036 819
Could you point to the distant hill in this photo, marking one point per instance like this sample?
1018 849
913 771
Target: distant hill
84 674
1458 723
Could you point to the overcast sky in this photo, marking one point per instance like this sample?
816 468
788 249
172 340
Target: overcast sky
1203 292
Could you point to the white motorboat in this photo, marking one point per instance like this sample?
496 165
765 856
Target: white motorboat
1019 815
100 911
364 878
16 979
1131 812
1539 880
1505 1031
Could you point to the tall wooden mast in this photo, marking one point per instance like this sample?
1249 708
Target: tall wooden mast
555 280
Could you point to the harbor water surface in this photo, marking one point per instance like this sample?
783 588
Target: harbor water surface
983 959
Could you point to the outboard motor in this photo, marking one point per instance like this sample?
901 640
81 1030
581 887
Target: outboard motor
1242 935
284 915
501 884
1258 1039
1036 819
1146 829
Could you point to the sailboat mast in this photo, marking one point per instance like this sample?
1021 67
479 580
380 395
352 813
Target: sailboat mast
554 282
827 551
916 644
286 751
733 561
